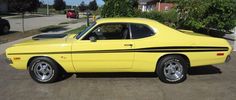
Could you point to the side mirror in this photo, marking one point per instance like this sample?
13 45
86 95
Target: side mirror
98 30
92 39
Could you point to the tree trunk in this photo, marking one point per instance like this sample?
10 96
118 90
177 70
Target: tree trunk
23 23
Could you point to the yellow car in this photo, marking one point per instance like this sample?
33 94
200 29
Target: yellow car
119 45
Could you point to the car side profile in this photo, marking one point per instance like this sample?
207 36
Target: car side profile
119 45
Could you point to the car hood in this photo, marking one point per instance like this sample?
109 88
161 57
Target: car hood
47 39
41 46
41 42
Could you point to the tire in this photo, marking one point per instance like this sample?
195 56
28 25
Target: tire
44 67
5 29
172 69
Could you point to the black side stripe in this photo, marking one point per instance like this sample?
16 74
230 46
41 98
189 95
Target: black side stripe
186 47
146 50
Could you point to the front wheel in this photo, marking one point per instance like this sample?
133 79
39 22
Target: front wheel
172 69
44 70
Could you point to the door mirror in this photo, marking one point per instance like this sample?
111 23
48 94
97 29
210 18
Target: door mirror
92 39
98 30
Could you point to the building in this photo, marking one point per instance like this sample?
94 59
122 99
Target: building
3 6
147 5
150 5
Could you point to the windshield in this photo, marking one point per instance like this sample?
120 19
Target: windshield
85 30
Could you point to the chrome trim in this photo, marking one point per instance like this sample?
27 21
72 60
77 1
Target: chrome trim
173 70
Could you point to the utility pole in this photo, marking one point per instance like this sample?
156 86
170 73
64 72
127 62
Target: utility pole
47 8
87 14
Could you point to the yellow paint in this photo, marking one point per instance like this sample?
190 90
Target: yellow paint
119 62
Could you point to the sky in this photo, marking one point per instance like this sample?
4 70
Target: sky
73 2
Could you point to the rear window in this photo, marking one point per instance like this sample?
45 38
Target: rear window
140 31
71 11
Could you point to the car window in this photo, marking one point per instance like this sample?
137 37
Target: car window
80 34
140 31
112 31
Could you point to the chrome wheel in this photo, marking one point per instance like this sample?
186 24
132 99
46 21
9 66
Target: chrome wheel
173 70
43 71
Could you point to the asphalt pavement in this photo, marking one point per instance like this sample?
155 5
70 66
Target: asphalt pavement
36 22
215 82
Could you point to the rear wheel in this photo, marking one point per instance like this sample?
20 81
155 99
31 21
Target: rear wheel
172 69
44 70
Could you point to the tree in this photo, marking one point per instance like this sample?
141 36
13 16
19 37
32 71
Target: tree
82 6
119 8
22 6
207 14
93 5
59 5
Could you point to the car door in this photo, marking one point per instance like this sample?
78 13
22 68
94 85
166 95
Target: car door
145 42
104 49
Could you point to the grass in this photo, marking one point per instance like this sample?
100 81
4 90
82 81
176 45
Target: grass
77 30
17 35
73 21
51 27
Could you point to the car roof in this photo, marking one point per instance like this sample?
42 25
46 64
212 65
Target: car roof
126 20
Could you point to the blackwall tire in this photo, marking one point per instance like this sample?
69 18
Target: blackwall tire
172 69
44 70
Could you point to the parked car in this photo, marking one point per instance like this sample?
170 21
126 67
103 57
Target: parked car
72 14
4 26
119 45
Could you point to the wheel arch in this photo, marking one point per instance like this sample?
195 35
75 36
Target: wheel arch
182 55
32 58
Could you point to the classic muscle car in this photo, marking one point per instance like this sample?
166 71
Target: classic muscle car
119 45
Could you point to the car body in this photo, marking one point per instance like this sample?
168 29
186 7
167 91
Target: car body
72 14
123 45
4 26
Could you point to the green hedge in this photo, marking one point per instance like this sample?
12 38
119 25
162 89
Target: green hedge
166 17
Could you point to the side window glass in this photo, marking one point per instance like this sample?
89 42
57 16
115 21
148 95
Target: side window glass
109 32
140 31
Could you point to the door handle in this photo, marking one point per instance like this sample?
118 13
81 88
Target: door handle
128 45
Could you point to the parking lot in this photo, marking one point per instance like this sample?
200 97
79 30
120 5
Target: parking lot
216 82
